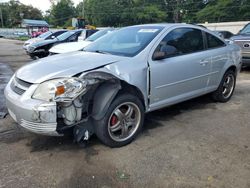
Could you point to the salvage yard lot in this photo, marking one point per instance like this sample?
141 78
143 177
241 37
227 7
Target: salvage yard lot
197 143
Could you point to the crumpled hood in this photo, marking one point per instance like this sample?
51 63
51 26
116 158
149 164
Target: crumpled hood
69 47
64 65
241 37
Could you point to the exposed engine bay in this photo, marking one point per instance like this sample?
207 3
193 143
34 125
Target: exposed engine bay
91 103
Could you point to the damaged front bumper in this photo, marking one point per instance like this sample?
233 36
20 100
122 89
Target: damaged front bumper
34 115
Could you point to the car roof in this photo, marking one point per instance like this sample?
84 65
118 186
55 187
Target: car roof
168 25
59 30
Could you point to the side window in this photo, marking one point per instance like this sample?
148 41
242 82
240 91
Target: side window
58 33
181 41
73 38
214 42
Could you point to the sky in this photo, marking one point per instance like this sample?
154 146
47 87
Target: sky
43 5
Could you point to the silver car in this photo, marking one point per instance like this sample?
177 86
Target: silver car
243 40
107 88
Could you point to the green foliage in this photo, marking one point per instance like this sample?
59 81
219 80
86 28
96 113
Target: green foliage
13 12
61 12
129 12
122 12
225 10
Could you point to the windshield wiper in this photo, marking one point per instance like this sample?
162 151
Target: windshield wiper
101 52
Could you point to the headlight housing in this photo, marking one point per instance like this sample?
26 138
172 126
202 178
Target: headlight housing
31 49
60 90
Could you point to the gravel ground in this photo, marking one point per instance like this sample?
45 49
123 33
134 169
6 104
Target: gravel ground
197 143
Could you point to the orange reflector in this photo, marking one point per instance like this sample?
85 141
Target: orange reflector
60 90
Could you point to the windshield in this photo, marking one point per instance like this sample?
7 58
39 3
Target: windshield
65 35
45 35
98 34
125 42
245 30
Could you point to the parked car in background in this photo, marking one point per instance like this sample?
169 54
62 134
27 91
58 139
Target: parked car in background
75 46
21 34
107 88
86 33
224 34
45 36
243 40
40 31
40 49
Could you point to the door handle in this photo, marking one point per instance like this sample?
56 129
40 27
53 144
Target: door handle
204 62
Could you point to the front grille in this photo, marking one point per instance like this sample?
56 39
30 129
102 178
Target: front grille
244 44
240 43
23 83
19 86
40 128
16 89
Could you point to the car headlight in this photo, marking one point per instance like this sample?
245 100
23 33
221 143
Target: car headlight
60 90
31 49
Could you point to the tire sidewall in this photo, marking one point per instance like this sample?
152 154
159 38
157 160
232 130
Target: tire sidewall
101 126
219 96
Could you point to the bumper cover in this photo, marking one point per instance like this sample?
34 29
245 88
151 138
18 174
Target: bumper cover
246 61
34 115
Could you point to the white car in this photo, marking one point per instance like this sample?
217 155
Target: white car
76 46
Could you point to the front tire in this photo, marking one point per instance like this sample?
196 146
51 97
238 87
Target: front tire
226 87
122 122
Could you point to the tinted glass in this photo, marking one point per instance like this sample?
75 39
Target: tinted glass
58 33
98 34
66 35
182 41
228 35
214 42
125 42
245 30
44 35
73 38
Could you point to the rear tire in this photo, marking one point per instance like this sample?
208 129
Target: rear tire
226 87
122 122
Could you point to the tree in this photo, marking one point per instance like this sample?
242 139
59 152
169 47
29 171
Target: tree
14 11
61 12
122 12
183 10
224 10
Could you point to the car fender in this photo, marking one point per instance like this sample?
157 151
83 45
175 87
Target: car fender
233 60
103 98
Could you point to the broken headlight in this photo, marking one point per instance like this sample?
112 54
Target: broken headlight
60 90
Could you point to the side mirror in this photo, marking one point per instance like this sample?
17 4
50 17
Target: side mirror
53 37
159 55
164 52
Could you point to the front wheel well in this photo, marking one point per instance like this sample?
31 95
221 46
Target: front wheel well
127 88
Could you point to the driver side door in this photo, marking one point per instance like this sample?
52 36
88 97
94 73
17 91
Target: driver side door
184 72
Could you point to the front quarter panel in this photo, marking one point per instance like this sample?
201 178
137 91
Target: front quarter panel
133 71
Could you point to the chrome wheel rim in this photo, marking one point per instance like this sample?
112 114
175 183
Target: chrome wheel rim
124 121
228 86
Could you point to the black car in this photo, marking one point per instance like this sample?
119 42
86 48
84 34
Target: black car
45 36
41 49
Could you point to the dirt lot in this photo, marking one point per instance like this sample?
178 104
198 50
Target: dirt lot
193 144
